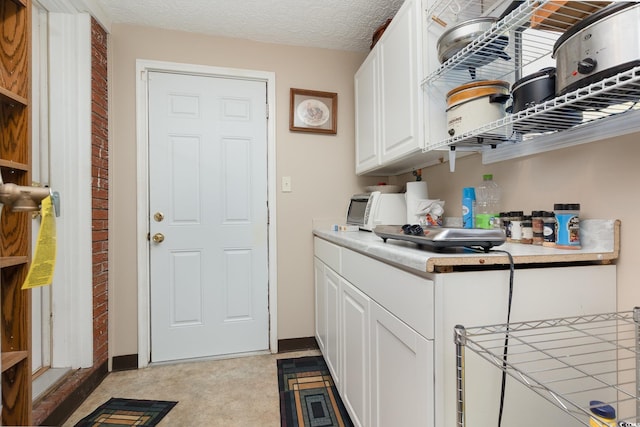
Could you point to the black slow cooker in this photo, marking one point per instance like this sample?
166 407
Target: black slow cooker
536 89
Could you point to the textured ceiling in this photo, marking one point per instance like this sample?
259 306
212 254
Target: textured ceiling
332 24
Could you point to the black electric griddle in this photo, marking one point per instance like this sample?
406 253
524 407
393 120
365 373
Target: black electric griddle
445 237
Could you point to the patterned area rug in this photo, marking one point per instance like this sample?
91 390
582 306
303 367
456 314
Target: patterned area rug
127 412
308 397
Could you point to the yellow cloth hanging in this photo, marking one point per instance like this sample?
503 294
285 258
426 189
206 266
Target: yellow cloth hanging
44 258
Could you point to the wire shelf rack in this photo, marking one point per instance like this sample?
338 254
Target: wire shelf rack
526 36
568 361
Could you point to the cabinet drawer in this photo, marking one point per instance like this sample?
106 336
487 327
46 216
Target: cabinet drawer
405 295
328 253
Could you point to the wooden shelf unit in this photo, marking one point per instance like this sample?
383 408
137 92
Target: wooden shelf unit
15 227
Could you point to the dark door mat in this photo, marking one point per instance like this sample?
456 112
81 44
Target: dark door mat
127 412
308 396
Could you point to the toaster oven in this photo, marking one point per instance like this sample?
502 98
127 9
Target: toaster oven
371 209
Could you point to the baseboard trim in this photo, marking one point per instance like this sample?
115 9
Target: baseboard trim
124 363
297 344
83 383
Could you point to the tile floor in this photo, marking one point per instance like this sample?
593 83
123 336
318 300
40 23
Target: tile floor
238 392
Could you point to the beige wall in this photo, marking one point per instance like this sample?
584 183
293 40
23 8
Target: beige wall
321 166
602 176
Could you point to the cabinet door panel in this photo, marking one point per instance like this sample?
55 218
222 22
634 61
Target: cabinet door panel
367 119
399 86
401 373
331 355
321 304
355 353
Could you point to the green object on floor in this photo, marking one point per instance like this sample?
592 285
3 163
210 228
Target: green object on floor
127 412
308 396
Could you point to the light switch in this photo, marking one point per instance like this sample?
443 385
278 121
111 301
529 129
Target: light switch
286 184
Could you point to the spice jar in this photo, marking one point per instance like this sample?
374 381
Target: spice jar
537 225
506 224
516 226
549 229
568 225
527 230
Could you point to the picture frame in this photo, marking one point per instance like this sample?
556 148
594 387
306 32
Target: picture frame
313 111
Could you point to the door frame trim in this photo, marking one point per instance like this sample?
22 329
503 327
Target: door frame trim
143 66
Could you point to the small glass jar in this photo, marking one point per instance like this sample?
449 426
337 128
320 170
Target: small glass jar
537 225
549 231
516 226
506 224
527 230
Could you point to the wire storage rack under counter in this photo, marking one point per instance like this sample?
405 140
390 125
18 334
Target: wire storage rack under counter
518 44
568 361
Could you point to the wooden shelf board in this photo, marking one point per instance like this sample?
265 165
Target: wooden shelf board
10 164
9 261
11 358
10 97
22 3
561 15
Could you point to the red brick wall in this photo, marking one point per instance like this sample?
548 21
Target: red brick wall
99 190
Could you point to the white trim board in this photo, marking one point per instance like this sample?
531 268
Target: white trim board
70 140
142 197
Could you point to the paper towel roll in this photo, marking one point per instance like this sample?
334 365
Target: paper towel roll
416 191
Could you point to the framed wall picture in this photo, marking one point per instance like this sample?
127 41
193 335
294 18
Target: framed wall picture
313 111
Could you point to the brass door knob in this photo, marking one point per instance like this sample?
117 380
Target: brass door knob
158 237
158 216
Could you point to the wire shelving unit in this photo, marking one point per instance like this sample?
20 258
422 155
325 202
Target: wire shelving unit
527 36
567 361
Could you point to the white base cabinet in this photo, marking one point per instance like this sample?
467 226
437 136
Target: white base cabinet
383 366
387 335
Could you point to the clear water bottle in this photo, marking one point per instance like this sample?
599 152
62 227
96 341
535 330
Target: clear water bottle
487 207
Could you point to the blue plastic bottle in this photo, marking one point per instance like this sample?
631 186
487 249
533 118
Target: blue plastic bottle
468 201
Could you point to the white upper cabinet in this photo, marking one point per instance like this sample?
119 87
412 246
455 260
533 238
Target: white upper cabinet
388 98
401 89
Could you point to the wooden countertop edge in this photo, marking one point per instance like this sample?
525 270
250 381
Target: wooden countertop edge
438 264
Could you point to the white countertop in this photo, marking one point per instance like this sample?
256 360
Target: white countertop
599 238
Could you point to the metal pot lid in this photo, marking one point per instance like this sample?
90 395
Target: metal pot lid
549 72
475 90
457 37
468 22
592 19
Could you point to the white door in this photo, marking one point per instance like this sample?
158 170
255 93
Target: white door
208 200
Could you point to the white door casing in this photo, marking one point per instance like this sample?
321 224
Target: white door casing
143 67
208 206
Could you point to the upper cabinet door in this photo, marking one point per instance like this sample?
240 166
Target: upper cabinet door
366 84
400 89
